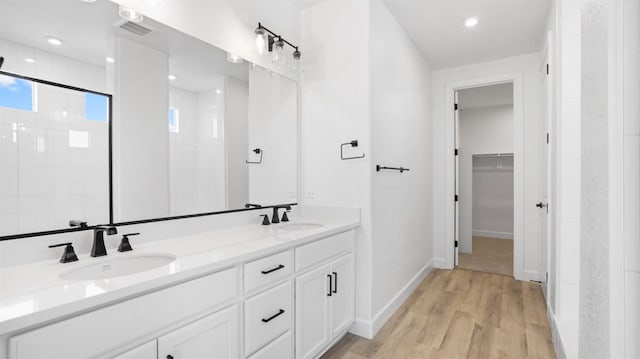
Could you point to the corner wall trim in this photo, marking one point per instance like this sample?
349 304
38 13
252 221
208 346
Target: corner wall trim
555 336
369 328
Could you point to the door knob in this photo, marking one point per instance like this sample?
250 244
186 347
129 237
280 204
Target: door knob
540 205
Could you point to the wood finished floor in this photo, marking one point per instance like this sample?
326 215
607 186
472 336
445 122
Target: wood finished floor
460 314
490 255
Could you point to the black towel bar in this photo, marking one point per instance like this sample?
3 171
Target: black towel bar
401 169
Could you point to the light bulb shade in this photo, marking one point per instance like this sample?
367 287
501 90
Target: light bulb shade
295 63
278 56
262 40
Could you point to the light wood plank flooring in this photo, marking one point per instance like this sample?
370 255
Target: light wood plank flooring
460 314
490 255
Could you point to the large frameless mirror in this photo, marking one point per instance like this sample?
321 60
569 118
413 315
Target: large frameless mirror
194 129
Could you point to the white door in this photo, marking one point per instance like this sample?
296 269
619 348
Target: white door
145 351
456 229
545 174
342 294
216 336
312 312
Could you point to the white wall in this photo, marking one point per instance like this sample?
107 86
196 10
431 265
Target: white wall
335 109
381 100
273 127
526 68
631 181
400 129
484 130
44 181
141 136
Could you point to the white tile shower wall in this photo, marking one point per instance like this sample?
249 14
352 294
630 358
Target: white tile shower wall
45 179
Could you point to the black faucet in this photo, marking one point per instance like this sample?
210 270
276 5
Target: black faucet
276 218
98 249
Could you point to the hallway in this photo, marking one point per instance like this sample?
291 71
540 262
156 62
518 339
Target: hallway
461 314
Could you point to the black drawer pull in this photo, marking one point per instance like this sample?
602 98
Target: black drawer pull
169 356
330 284
267 320
273 269
335 282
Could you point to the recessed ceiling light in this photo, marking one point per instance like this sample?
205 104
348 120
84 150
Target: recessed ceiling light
218 91
88 0
30 60
54 41
110 60
171 77
130 14
471 22
233 58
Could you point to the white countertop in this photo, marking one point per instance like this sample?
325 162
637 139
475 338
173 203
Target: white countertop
33 294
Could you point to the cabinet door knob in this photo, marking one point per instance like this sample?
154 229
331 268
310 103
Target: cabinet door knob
169 356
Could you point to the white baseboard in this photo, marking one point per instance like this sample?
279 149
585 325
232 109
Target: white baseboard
491 234
555 336
369 328
440 263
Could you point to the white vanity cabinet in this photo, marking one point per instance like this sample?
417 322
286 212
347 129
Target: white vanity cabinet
324 296
294 302
148 350
216 336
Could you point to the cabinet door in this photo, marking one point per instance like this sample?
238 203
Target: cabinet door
343 294
145 351
215 336
312 312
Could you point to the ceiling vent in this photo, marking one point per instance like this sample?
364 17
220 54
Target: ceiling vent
135 28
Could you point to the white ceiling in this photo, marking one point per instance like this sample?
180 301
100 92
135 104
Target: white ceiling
486 96
88 28
505 28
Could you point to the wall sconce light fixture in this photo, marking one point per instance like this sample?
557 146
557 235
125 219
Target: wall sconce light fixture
274 43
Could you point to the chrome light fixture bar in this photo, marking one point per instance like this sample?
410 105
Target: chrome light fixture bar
274 43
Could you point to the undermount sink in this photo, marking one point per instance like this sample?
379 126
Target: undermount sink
118 267
300 226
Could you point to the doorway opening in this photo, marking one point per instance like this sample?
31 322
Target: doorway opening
484 135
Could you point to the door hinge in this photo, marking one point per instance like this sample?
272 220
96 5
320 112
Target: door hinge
455 106
547 138
547 69
455 152
456 199
456 244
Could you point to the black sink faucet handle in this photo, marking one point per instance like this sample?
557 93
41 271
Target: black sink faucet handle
285 218
276 218
68 255
125 246
265 220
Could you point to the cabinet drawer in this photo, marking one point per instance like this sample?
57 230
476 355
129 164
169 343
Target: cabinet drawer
281 348
265 271
267 316
105 330
319 251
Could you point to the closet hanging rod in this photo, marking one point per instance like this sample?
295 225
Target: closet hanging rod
401 169
487 155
